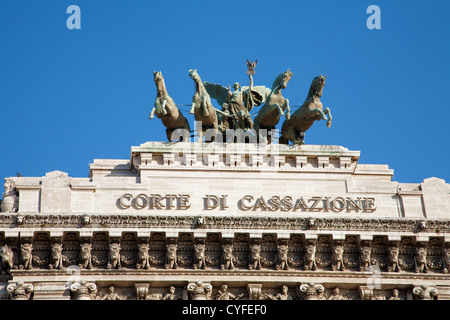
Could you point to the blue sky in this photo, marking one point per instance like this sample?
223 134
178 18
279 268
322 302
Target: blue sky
70 96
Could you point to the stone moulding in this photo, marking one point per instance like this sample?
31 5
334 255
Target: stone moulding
238 156
222 222
281 275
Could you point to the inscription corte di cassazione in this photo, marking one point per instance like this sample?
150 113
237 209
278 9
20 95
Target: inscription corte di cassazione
250 203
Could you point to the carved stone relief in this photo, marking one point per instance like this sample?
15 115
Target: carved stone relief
20 290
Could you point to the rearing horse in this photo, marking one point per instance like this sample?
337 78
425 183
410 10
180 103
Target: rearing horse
202 108
274 107
302 119
166 110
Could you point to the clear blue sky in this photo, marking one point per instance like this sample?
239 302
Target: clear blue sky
70 96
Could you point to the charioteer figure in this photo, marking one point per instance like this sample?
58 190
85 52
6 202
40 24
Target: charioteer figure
237 103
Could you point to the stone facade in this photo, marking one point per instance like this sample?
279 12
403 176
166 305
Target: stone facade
234 221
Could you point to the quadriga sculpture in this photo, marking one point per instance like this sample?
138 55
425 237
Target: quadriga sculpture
294 129
166 110
204 112
237 104
274 107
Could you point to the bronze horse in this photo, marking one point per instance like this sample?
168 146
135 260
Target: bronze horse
204 112
274 107
293 129
166 110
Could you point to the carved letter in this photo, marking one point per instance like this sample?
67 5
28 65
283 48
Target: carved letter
223 201
335 206
353 205
274 203
326 205
125 196
215 202
169 201
300 203
142 204
316 202
183 203
261 204
370 204
287 203
156 201
246 198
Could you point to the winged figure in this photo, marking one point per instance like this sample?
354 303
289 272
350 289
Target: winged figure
244 98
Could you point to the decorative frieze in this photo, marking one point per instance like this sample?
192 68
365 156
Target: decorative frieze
225 222
335 295
228 290
154 251
224 294
283 295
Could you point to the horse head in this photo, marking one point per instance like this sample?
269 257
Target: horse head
282 80
194 75
317 86
157 76
161 92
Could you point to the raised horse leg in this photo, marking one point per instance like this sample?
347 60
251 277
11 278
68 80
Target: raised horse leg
318 112
163 108
192 110
328 112
152 113
286 108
